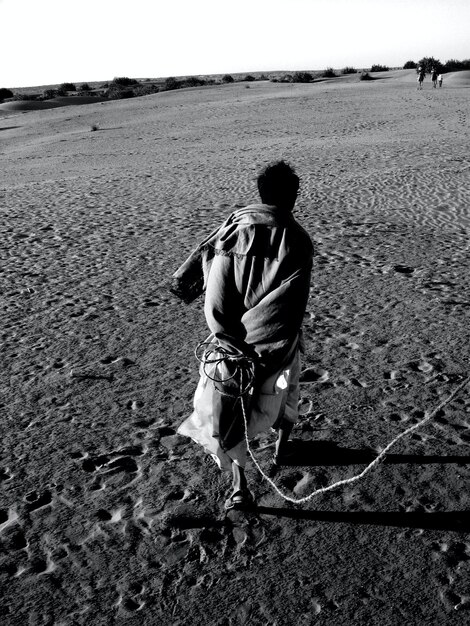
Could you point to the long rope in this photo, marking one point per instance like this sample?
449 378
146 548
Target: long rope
244 367
376 461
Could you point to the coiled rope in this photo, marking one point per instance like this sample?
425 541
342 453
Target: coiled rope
244 369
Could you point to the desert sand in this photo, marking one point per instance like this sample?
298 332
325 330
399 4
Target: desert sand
106 515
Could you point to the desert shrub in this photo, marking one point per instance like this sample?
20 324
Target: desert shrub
123 81
329 73
193 81
249 78
145 90
379 68
171 83
48 94
94 127
302 77
227 78
410 65
5 93
60 92
84 87
274 80
428 63
366 76
263 77
452 65
67 87
349 70
118 92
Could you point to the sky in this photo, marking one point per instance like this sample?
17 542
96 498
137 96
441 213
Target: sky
46 42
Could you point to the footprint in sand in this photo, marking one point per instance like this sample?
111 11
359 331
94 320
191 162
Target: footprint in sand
314 375
5 474
404 269
35 501
131 600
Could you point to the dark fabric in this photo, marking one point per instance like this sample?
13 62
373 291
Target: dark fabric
228 422
188 281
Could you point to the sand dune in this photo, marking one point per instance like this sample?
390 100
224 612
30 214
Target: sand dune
458 79
106 515
33 105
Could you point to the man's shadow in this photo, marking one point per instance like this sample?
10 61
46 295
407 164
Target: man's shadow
302 453
327 453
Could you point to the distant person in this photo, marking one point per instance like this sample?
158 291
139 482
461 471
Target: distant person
421 75
257 269
434 77
439 80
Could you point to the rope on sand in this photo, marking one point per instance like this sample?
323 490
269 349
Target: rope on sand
244 366
376 461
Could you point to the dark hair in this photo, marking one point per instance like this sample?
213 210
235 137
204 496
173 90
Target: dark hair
278 184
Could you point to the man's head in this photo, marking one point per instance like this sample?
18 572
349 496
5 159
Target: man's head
278 185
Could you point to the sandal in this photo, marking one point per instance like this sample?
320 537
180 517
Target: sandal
241 499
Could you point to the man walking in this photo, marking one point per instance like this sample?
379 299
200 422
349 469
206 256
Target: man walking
256 272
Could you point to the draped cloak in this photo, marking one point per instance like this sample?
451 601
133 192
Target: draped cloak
256 271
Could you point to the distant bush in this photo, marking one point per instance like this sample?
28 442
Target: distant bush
145 90
48 94
263 77
379 68
193 81
249 78
123 81
329 73
410 65
171 83
286 78
302 77
452 65
119 92
67 87
349 70
430 63
5 93
365 76
227 78
84 87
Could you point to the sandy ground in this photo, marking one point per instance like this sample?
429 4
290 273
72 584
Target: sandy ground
108 517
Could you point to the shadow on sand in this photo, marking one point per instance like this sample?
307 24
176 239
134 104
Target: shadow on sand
328 453
458 521
313 453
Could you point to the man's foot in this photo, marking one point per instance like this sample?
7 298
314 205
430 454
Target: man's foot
240 499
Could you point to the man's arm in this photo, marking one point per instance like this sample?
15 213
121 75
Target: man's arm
224 307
